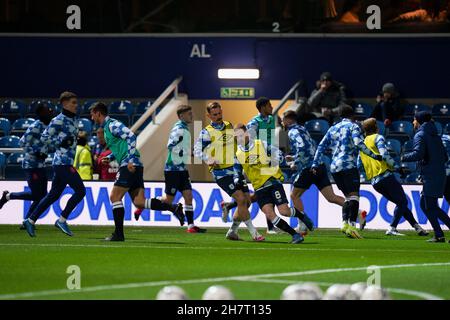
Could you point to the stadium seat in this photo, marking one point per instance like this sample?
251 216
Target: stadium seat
409 166
447 129
441 110
84 110
85 125
15 159
93 141
381 127
407 146
9 142
13 109
2 165
394 145
5 127
362 110
31 112
14 167
400 130
21 125
438 127
412 178
121 107
411 109
317 129
143 106
49 159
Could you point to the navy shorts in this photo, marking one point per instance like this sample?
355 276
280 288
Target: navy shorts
347 181
227 185
273 194
131 181
306 178
177 181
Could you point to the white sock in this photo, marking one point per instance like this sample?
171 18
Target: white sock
62 219
235 226
191 226
251 228
147 203
31 221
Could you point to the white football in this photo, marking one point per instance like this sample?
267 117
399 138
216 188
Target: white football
172 293
306 291
375 293
302 228
339 292
358 288
218 293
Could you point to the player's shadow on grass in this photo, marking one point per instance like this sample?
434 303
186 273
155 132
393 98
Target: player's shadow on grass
284 242
136 240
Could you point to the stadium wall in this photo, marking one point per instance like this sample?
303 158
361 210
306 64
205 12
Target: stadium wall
95 209
137 66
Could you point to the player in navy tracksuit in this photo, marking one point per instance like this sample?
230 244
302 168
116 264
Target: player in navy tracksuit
430 155
62 134
35 153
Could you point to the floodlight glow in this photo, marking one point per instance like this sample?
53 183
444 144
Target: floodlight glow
238 73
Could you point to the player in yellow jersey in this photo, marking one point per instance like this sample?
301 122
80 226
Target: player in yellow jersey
216 146
259 162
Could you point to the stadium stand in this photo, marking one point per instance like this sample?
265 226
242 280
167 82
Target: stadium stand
363 111
400 130
85 125
2 165
5 127
13 109
9 142
317 128
21 125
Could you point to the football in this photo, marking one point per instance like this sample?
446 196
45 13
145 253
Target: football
172 293
218 293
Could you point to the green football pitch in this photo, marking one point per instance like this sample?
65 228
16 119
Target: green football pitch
152 257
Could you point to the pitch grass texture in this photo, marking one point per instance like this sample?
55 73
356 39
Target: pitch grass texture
152 257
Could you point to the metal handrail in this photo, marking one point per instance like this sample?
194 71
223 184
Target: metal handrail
172 87
294 90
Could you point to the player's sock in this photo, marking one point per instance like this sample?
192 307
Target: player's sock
297 214
62 219
31 221
157 204
353 209
345 211
235 225
251 228
189 212
231 205
269 224
282 225
119 214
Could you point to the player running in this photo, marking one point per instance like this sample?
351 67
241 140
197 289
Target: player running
122 142
302 153
176 174
345 140
262 127
216 146
260 163
35 153
381 176
61 134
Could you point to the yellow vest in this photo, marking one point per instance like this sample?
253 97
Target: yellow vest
372 167
83 162
223 145
256 165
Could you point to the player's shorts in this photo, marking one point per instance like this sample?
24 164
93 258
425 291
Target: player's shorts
177 181
273 194
347 181
132 181
227 184
306 178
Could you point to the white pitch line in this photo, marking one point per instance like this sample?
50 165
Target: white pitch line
420 294
25 295
287 248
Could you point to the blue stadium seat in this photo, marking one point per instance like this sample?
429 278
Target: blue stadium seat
362 110
84 110
447 129
85 125
121 107
143 106
93 141
412 178
9 142
2 165
49 159
381 128
32 108
407 146
411 109
409 166
400 130
441 110
122 118
394 145
5 127
317 126
439 127
15 159
13 109
21 125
